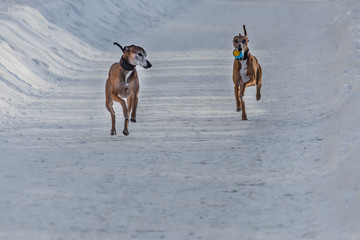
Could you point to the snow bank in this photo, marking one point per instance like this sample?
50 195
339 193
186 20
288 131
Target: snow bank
340 185
43 43
34 56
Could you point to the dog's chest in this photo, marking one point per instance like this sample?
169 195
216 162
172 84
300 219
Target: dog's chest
243 71
127 76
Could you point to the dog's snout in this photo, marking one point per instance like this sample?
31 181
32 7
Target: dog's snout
149 65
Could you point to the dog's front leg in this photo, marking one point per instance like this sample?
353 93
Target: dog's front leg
236 80
116 98
242 103
126 124
132 105
237 97
130 102
126 117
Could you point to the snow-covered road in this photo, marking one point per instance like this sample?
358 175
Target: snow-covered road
190 168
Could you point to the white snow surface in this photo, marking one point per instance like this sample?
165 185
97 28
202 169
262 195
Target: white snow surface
190 168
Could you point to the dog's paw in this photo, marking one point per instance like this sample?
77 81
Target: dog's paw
238 109
113 132
133 120
244 117
126 132
258 96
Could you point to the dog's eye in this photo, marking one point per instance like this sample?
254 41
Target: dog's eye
235 41
243 41
140 54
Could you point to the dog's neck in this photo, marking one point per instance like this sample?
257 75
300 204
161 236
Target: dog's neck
246 55
125 65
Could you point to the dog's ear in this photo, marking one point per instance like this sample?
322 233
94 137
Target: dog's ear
245 30
127 48
122 49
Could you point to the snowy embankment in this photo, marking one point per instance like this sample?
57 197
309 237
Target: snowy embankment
339 184
45 43
190 169
35 56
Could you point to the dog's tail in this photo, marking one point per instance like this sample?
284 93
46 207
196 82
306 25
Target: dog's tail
244 31
122 49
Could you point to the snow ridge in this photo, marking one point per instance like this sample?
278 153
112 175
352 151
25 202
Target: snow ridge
44 43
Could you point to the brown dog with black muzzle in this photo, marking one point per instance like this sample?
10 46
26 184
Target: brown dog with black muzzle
123 82
246 72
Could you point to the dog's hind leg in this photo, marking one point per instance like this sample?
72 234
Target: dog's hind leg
109 106
258 83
